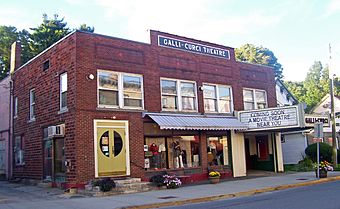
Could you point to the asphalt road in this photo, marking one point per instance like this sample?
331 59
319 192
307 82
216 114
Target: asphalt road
321 196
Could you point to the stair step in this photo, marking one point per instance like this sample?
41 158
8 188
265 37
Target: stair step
127 181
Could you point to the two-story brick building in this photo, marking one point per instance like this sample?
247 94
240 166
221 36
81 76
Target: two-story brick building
97 106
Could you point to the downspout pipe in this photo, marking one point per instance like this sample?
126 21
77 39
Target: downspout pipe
10 130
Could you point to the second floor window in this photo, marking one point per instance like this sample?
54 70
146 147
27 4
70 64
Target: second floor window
32 104
254 99
178 95
217 98
63 91
120 90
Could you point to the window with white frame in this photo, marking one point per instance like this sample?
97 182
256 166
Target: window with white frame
63 91
178 95
19 150
120 90
217 98
15 106
32 104
254 99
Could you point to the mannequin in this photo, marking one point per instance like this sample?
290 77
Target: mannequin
155 157
178 161
162 155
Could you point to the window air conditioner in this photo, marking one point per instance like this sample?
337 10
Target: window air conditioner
56 131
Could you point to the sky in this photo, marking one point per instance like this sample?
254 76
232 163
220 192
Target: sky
297 31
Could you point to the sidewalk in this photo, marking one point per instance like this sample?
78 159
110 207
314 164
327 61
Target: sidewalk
186 194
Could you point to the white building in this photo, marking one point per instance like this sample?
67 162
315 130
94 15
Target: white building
293 142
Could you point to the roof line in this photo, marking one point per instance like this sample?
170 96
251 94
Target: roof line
35 57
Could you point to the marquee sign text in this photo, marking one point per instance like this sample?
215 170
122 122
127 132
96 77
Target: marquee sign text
271 118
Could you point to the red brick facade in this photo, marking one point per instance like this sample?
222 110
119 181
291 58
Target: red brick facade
81 54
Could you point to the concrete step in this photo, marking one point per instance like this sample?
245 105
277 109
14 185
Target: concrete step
127 181
123 186
133 187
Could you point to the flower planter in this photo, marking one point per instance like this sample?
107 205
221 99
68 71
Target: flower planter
322 172
214 180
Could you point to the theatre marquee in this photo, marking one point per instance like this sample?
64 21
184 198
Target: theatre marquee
273 118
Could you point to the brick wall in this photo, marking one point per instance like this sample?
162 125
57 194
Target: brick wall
82 54
46 85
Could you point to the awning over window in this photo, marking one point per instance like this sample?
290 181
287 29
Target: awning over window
196 122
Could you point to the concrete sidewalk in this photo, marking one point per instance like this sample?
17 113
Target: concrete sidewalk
186 194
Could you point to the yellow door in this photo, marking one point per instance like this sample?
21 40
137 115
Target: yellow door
111 152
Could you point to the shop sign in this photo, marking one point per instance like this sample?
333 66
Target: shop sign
193 47
310 120
272 118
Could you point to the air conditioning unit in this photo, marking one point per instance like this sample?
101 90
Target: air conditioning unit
56 131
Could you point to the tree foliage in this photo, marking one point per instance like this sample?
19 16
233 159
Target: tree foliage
8 35
84 27
314 87
258 55
43 36
47 33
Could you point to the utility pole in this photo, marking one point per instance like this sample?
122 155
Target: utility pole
331 86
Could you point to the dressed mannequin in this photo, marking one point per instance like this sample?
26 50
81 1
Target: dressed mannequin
155 157
212 153
162 153
178 161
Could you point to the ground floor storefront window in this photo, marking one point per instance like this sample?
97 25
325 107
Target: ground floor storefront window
171 152
218 151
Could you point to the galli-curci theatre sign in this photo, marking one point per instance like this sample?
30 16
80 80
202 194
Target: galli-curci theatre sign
273 118
193 47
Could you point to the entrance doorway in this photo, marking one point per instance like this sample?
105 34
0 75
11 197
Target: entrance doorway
111 148
259 152
54 160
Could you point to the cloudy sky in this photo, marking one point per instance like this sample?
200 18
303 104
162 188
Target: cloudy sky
297 31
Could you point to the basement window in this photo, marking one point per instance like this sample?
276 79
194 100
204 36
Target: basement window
46 65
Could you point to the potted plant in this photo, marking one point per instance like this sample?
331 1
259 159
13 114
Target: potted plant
214 177
324 166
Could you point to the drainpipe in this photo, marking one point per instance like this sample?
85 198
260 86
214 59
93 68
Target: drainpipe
10 130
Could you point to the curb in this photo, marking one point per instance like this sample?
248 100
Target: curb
228 196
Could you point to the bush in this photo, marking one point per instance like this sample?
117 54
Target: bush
105 184
306 164
158 180
325 152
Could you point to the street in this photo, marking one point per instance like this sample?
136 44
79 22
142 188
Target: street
325 196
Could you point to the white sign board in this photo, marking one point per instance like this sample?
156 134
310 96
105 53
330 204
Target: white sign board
310 120
271 118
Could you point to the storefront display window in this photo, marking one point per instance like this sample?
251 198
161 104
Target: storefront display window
171 152
217 149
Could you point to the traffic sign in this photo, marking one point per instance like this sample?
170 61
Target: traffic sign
318 130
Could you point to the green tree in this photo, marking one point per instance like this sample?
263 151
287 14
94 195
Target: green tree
47 33
84 27
259 55
316 85
297 89
8 35
43 36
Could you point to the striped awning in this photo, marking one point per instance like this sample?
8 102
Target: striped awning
196 122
